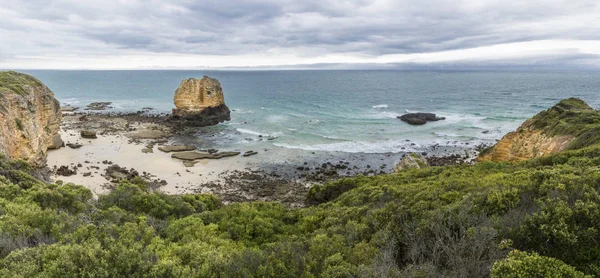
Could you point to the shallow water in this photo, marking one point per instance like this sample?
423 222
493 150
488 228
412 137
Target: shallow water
341 111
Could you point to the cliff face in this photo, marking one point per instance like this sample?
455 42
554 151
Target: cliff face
30 118
570 124
200 102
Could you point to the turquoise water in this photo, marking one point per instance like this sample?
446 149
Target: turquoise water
343 111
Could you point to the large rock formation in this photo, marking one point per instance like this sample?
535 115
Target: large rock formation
570 124
30 118
200 102
419 118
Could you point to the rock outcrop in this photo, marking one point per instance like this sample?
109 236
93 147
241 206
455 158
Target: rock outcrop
570 124
200 102
30 118
419 118
411 161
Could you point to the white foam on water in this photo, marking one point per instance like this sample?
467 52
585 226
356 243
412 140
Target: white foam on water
276 118
387 146
384 115
380 106
243 111
248 131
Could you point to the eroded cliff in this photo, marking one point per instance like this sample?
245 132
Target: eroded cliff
570 124
30 118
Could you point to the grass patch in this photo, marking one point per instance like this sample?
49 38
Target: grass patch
19 124
11 81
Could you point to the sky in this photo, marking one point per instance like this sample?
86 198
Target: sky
293 34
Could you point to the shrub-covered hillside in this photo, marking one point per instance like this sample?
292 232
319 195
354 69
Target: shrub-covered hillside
539 217
536 218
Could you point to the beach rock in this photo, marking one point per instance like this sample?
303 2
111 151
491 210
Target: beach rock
65 171
57 142
98 106
177 148
411 161
570 124
88 134
419 118
74 145
199 155
30 118
200 102
188 163
68 109
249 153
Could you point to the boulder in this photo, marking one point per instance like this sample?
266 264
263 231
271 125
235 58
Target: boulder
200 102
57 142
30 118
419 118
411 161
88 134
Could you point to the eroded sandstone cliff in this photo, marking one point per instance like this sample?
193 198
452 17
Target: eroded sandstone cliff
570 124
30 118
200 102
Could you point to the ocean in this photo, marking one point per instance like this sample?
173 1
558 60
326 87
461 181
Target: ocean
340 111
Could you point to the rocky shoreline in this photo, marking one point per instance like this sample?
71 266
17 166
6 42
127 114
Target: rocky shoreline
234 175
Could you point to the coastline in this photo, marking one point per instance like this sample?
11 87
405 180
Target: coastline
131 141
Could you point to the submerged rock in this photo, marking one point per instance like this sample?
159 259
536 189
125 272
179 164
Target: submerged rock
30 118
419 118
200 102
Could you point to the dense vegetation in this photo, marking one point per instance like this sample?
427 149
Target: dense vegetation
570 117
538 217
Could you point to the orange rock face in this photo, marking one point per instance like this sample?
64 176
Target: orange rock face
30 118
198 94
526 143
200 102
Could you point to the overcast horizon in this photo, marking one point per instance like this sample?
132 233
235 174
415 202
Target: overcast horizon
263 35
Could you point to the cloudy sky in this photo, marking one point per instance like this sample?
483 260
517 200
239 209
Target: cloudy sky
129 34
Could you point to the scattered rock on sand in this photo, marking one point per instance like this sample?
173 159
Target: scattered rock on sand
177 148
151 131
74 145
65 171
249 153
198 155
88 134
419 118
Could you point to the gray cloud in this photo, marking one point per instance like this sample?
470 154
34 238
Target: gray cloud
306 28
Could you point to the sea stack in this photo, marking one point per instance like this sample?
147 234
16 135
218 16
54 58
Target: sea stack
30 118
200 102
